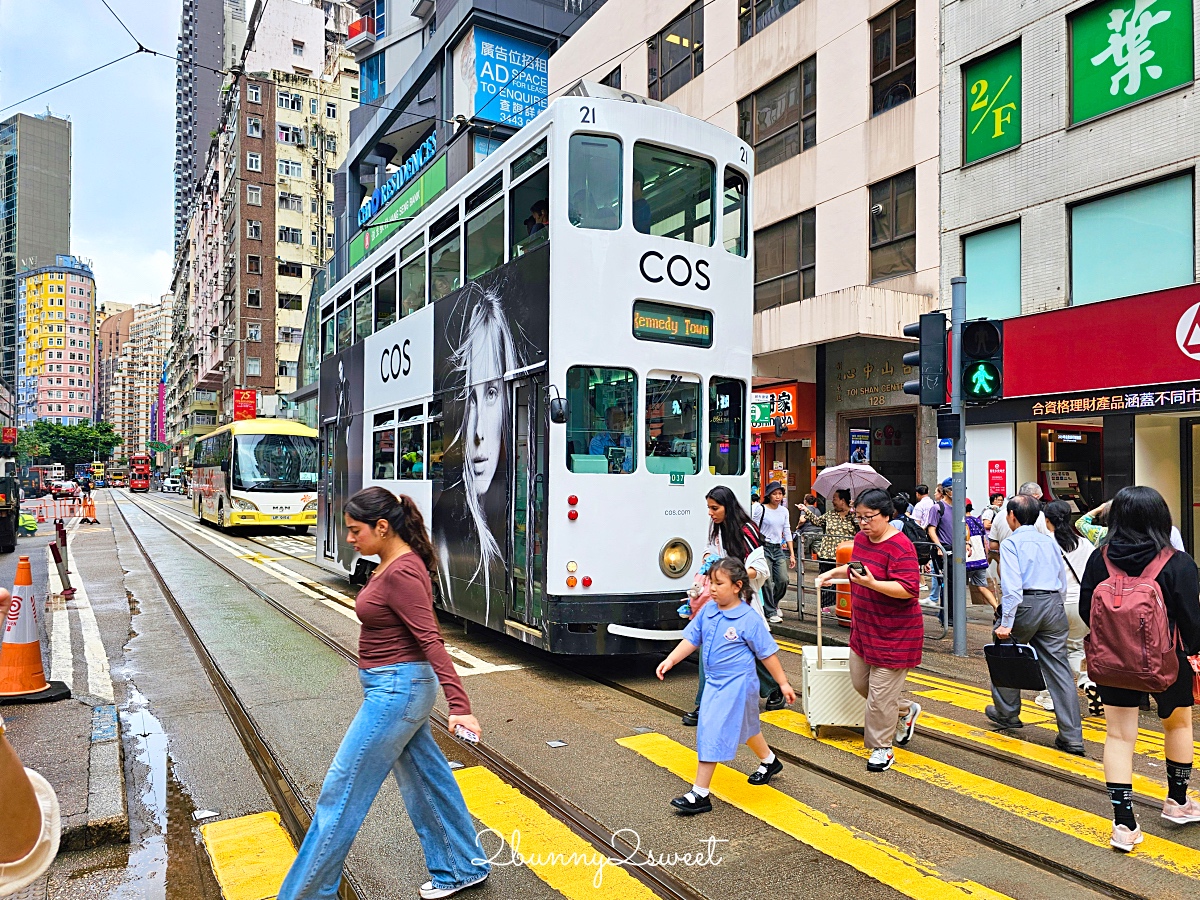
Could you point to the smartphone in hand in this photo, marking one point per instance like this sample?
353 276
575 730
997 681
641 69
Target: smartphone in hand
858 569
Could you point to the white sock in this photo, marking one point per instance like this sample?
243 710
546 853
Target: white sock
766 761
697 792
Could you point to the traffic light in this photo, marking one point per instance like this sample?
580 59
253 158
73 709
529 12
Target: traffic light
930 360
982 360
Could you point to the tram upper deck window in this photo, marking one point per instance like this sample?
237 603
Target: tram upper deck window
600 433
594 184
672 426
672 194
412 276
726 426
529 212
733 216
485 240
345 326
362 315
328 337
385 293
445 274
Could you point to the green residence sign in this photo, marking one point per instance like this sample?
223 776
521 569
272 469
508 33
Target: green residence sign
992 104
397 214
1123 51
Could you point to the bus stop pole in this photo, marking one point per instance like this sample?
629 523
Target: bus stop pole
958 572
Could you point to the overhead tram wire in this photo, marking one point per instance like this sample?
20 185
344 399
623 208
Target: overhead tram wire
111 62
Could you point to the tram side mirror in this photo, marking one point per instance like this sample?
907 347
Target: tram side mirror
558 410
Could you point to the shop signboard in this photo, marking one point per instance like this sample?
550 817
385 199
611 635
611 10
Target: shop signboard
1123 51
777 402
997 477
860 445
1152 398
396 214
245 404
511 78
992 104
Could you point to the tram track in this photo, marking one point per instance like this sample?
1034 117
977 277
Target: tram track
295 812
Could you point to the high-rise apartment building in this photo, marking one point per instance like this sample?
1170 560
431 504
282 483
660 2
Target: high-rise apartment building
58 352
35 213
133 374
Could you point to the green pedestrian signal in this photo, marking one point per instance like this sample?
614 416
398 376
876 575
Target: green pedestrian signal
982 356
981 380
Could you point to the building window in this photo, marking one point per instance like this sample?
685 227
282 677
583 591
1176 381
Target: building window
254 298
785 261
894 56
254 331
289 100
254 230
254 265
612 79
291 269
893 225
353 93
290 235
780 120
290 168
312 106
1133 242
287 368
992 263
329 240
290 301
312 239
297 48
330 110
254 162
293 202
253 367
290 134
253 127
330 143
754 16
254 195
253 93
380 18
676 53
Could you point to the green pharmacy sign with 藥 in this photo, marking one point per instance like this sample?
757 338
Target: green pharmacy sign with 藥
992 104
1123 51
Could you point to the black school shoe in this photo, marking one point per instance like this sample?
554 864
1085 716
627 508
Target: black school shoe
775 701
992 713
1073 749
686 807
757 777
692 719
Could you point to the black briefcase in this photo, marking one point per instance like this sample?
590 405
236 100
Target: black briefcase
1013 665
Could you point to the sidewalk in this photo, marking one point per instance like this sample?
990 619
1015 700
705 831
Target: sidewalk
74 743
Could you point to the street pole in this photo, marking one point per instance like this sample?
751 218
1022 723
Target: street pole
958 571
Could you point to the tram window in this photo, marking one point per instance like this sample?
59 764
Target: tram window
450 218
529 204
490 189
485 240
672 426
385 418
345 333
526 161
436 441
412 452
594 184
384 267
726 426
328 338
412 285
384 454
733 218
362 316
444 274
385 302
677 192
408 413
601 429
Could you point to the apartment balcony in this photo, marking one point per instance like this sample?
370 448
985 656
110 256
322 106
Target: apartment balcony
361 33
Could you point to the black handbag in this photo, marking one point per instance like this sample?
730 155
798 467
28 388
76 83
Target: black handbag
1013 665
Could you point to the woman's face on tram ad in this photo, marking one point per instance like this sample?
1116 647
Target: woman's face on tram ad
363 537
872 522
716 512
485 414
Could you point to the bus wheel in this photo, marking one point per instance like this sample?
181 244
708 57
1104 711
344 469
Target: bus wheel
301 529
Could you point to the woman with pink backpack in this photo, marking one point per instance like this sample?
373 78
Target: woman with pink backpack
1141 599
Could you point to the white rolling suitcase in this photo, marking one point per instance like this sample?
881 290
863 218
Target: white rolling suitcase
829 697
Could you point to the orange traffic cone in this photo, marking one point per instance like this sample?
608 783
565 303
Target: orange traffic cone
21 674
89 512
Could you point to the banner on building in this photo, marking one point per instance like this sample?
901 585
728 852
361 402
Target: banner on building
511 79
860 445
997 477
245 404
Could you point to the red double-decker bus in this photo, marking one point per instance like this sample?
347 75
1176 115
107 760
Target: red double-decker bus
139 472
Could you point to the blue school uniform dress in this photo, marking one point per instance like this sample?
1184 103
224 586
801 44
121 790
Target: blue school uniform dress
729 640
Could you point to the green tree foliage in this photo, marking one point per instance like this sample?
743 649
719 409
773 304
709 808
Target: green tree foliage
66 444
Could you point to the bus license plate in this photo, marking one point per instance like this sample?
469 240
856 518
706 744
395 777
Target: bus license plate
280 517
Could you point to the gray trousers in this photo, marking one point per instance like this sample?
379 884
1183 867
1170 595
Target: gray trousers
1042 623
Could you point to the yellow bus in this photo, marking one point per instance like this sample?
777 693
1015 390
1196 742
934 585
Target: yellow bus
257 472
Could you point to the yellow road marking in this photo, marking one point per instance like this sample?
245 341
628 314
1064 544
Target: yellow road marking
868 854
549 849
1089 828
249 855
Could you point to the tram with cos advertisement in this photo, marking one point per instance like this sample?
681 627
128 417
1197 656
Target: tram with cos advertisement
553 358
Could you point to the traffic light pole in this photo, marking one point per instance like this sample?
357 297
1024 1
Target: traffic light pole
957 571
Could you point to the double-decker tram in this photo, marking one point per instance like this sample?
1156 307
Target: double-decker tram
553 358
257 472
139 472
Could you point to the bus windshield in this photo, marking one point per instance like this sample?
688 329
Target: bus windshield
275 462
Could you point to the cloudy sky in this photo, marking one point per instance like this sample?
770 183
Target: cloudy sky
123 127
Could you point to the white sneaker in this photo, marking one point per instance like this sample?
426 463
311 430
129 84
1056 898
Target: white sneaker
907 724
931 604
429 892
775 619
1045 701
1124 838
881 759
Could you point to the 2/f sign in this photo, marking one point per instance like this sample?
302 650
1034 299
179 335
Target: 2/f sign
992 104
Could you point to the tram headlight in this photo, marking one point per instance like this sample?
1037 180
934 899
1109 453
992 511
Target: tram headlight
675 558
310 506
243 505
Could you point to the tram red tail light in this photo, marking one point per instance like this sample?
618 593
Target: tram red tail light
587 580
572 514
572 500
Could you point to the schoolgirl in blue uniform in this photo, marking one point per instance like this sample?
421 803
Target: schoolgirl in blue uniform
731 635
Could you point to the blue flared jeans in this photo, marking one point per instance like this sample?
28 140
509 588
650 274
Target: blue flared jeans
390 733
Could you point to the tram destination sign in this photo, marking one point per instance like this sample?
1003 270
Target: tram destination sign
672 324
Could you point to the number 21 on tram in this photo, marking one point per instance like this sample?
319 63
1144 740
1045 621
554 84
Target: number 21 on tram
553 359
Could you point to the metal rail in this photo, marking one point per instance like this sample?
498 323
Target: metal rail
601 838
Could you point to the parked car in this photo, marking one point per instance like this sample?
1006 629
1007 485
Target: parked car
63 490
170 485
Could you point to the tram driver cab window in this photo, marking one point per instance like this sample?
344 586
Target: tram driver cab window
600 431
673 425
